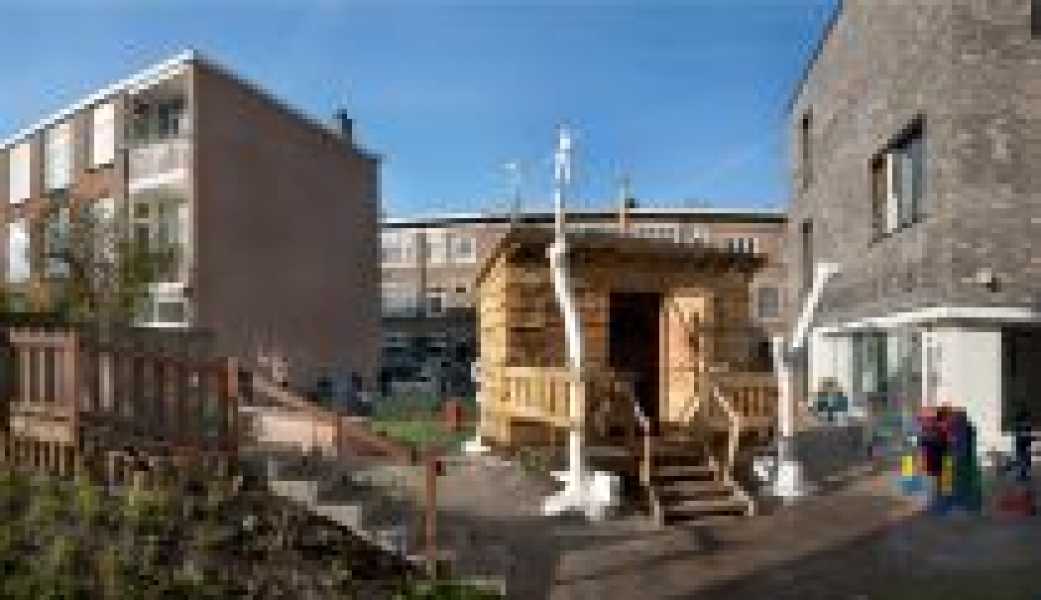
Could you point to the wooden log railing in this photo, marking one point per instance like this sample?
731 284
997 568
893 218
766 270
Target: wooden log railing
646 430
752 395
543 394
538 393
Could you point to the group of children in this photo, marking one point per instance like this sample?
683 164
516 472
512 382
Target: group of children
945 459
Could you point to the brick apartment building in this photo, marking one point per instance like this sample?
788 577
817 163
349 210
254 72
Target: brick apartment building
916 138
430 265
273 214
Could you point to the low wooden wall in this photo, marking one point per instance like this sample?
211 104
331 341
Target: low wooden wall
76 401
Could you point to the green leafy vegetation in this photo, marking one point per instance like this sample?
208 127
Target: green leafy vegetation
417 419
73 540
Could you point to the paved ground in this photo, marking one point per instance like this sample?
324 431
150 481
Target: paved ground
859 541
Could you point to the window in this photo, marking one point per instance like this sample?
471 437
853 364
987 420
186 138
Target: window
17 251
805 145
769 303
103 214
398 300
57 243
463 250
103 147
58 161
695 234
435 302
742 245
391 248
1035 18
898 183
170 117
19 173
436 247
806 239
169 312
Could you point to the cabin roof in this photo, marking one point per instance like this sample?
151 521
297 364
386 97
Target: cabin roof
541 238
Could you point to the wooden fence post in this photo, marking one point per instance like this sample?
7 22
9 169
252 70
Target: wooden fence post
430 519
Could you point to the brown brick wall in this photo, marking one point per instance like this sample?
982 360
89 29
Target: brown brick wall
286 232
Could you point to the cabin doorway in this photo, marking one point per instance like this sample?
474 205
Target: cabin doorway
634 345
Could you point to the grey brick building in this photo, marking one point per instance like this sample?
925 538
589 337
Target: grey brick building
916 150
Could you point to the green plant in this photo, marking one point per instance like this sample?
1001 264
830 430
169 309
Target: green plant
108 272
532 461
88 500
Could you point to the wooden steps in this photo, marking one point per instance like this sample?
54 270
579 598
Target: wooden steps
688 487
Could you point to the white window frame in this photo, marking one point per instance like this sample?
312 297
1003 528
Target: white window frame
166 293
57 160
397 299
57 231
19 242
19 173
436 247
441 295
468 257
760 293
103 138
391 240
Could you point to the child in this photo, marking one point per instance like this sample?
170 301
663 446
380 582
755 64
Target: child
1023 440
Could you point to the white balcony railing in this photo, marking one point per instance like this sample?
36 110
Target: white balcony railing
160 161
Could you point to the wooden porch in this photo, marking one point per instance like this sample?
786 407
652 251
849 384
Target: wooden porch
671 379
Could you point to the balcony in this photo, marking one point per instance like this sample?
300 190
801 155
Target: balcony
159 163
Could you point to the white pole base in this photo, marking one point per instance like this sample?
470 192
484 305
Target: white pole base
790 483
475 446
596 496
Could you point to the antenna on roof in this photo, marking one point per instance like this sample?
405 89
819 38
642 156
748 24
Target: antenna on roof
513 171
562 160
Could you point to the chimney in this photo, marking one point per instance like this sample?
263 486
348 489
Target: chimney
345 124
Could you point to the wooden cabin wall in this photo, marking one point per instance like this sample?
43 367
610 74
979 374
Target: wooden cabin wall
492 344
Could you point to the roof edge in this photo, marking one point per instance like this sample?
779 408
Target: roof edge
146 76
829 27
137 79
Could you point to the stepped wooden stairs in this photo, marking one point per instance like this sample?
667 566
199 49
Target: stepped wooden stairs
688 483
687 469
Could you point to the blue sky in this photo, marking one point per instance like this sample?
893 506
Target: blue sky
687 98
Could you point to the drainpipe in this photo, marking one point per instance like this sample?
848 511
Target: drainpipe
590 493
564 289
789 483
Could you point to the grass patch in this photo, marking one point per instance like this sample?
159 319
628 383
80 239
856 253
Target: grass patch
422 433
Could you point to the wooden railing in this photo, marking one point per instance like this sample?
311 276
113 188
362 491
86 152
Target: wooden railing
538 393
542 394
725 467
647 462
753 396
74 394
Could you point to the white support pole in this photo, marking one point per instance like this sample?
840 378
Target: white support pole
590 493
790 482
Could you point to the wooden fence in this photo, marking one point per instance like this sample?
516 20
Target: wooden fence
76 400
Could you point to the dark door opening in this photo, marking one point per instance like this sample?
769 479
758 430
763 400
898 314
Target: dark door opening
634 345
